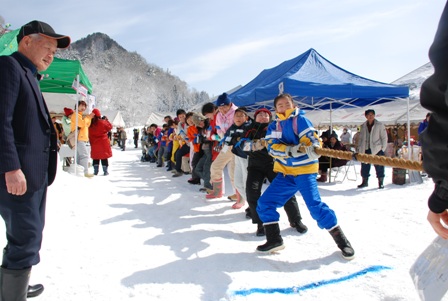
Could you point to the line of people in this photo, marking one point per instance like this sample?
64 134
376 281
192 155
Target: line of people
253 150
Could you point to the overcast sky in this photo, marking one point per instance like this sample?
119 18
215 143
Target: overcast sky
217 45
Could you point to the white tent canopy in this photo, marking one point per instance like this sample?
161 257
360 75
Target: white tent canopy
157 118
390 113
114 117
57 102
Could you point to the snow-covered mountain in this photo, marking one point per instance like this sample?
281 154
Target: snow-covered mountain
125 81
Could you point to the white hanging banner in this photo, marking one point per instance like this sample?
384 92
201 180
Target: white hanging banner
91 103
79 88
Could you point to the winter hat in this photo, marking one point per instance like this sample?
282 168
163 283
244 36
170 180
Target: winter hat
45 30
96 112
68 111
223 100
197 118
262 110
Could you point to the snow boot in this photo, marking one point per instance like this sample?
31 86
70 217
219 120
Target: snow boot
300 227
95 169
365 183
380 183
248 213
274 240
294 217
323 178
347 251
233 197
260 230
34 290
194 181
217 190
240 201
14 284
105 170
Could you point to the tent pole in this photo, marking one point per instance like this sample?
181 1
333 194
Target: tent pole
331 131
76 124
409 133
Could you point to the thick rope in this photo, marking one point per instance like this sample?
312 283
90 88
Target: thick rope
365 158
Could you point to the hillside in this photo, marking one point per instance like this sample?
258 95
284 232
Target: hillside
125 81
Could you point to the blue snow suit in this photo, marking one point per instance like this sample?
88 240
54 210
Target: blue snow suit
294 173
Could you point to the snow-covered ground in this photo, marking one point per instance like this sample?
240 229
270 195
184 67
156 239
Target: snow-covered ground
140 234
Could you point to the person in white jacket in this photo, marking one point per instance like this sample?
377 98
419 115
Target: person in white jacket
372 140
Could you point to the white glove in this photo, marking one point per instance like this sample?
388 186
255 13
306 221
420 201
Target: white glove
311 153
293 151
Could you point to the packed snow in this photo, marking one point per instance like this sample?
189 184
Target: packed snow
140 234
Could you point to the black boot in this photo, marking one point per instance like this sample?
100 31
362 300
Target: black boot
294 217
260 230
34 290
380 183
105 170
248 213
300 227
365 183
95 169
274 240
14 284
342 242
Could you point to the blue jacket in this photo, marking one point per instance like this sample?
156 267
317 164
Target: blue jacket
292 128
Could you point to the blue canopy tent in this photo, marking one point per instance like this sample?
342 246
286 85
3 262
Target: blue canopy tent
315 84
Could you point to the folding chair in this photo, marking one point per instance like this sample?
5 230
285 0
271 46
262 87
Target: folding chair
345 170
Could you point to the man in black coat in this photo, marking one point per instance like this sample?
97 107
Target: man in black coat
28 152
434 140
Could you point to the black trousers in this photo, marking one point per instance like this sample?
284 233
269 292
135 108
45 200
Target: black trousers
180 152
24 217
254 183
104 162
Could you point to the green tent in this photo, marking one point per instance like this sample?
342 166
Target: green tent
59 77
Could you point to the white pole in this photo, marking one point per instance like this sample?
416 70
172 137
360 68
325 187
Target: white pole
409 133
76 124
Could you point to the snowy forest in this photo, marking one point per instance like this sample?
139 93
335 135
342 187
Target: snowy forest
125 81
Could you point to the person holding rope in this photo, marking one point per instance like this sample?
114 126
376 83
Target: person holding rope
372 140
296 171
433 96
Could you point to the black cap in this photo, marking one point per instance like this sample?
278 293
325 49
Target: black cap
43 29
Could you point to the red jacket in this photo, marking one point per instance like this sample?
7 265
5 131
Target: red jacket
99 142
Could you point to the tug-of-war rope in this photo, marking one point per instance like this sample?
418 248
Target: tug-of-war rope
365 158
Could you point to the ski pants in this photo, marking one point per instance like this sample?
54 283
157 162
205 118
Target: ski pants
285 186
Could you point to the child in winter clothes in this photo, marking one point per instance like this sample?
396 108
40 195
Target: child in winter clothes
229 142
195 146
261 166
224 120
296 172
172 125
162 138
100 149
184 147
208 139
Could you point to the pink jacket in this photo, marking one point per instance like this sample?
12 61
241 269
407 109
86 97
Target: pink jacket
223 122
